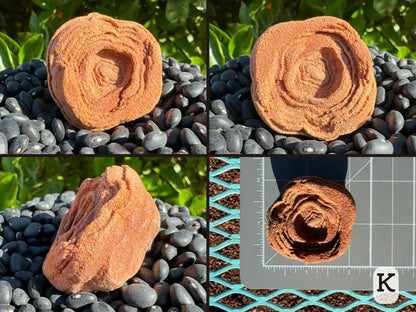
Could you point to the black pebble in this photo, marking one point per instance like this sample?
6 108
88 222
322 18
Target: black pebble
96 139
264 138
179 295
311 147
80 300
5 292
139 295
154 140
234 140
378 146
9 128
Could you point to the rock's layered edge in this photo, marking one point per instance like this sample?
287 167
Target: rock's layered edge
103 239
312 220
313 78
103 72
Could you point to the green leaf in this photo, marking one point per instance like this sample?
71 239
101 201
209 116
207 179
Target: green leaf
135 163
184 45
32 48
335 8
216 53
45 4
6 59
264 19
255 6
7 163
34 23
221 35
23 195
55 185
8 189
319 5
384 6
388 32
101 163
185 197
200 5
403 52
244 14
198 206
276 5
358 21
223 39
177 11
242 41
198 61
173 178
13 46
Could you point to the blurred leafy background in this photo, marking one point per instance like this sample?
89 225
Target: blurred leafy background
235 25
179 181
26 26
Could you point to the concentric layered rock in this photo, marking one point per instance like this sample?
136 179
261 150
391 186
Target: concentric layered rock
312 220
103 239
313 78
103 71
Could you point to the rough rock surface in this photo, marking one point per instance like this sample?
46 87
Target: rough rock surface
313 78
103 239
103 72
312 220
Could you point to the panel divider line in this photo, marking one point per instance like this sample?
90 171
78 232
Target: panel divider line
392 210
263 216
349 189
414 202
371 213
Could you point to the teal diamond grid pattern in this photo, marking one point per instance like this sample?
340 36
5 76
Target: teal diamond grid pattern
238 288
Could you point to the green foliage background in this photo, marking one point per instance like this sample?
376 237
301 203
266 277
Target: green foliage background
235 25
179 181
26 26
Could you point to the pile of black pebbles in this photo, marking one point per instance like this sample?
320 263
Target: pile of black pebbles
235 126
172 278
32 123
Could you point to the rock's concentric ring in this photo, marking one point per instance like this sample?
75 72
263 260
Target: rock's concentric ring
103 71
312 220
102 240
313 77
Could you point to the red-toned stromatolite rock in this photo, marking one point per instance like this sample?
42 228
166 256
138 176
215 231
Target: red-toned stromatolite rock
313 78
312 220
103 239
103 71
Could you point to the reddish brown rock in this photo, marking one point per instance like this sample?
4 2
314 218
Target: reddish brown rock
103 239
103 71
313 78
312 220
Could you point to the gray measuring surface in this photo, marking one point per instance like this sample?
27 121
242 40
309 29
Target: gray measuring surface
383 233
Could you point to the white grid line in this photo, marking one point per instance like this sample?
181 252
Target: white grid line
371 211
349 264
370 161
370 224
317 267
348 182
383 224
349 189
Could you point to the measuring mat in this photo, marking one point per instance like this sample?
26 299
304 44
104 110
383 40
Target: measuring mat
384 190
